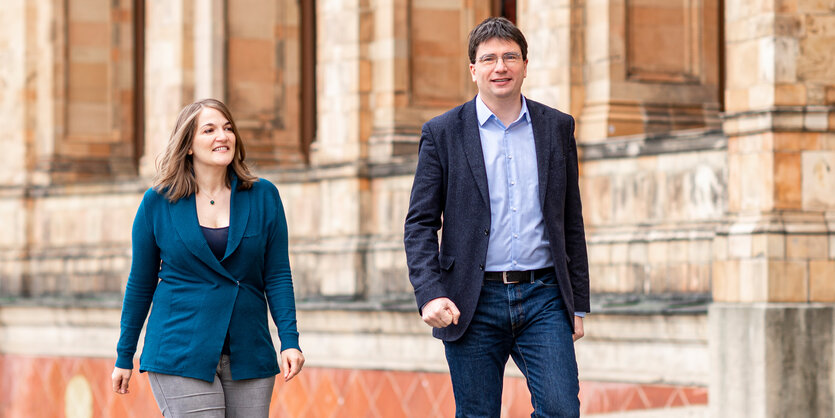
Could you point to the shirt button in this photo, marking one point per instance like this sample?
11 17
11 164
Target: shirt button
516 236
514 209
514 262
509 157
512 183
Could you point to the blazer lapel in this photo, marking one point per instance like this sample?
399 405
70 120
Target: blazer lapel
238 217
184 217
471 143
542 141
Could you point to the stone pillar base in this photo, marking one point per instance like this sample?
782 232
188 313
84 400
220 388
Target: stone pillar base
771 360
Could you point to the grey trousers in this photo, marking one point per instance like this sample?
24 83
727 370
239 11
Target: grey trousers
179 396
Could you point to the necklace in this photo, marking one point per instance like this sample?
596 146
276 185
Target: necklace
211 198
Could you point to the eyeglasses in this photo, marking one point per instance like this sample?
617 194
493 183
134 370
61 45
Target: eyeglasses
509 58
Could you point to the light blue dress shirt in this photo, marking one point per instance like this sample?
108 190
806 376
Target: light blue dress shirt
517 231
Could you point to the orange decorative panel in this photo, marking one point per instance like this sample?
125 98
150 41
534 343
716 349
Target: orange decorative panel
35 387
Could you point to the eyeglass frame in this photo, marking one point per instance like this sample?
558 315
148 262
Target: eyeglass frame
509 58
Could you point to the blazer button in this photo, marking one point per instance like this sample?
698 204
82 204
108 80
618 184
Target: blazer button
481 267
238 283
486 232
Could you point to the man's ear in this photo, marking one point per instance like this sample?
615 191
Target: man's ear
472 72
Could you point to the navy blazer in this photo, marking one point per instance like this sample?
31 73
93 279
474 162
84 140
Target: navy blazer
450 190
197 298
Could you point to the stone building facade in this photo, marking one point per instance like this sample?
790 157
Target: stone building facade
706 131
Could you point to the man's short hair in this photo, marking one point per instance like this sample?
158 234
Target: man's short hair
496 27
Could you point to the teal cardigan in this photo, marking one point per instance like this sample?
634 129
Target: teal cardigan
198 298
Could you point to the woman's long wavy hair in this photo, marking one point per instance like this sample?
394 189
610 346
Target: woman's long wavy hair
175 169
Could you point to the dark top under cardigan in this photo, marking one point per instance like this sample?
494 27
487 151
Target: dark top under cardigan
198 298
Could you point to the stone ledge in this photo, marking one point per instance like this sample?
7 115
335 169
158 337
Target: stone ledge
657 304
602 304
654 144
394 167
80 189
778 119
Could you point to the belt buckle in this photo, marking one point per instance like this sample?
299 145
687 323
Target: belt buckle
504 278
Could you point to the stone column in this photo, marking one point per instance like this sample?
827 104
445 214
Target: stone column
771 326
331 259
393 132
169 72
547 28
16 97
210 49
344 72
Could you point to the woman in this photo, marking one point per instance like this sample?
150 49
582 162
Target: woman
210 252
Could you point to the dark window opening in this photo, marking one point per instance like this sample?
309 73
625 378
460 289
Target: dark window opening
308 76
138 80
505 8
721 52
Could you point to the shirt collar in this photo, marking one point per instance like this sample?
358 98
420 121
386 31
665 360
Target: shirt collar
483 112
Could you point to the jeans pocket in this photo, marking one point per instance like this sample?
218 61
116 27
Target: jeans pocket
539 282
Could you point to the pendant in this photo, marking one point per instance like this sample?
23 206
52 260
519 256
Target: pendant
211 202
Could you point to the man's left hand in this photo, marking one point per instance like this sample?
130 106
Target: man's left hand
578 328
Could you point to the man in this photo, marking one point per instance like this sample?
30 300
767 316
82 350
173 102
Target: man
500 174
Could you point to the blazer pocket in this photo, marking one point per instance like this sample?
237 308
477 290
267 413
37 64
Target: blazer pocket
446 261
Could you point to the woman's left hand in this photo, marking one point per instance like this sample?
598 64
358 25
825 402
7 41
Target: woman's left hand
292 361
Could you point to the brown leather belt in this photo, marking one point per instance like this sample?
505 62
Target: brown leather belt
512 277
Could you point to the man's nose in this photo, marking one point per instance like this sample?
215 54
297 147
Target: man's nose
500 65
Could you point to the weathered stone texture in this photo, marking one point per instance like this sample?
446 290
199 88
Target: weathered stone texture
630 203
768 346
818 180
78 244
662 188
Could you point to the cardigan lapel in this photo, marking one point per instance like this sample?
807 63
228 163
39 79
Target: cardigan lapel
184 217
238 217
542 142
471 143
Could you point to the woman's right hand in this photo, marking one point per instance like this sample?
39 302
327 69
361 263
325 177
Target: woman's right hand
121 377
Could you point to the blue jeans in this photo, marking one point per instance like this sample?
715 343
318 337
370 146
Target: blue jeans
529 323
